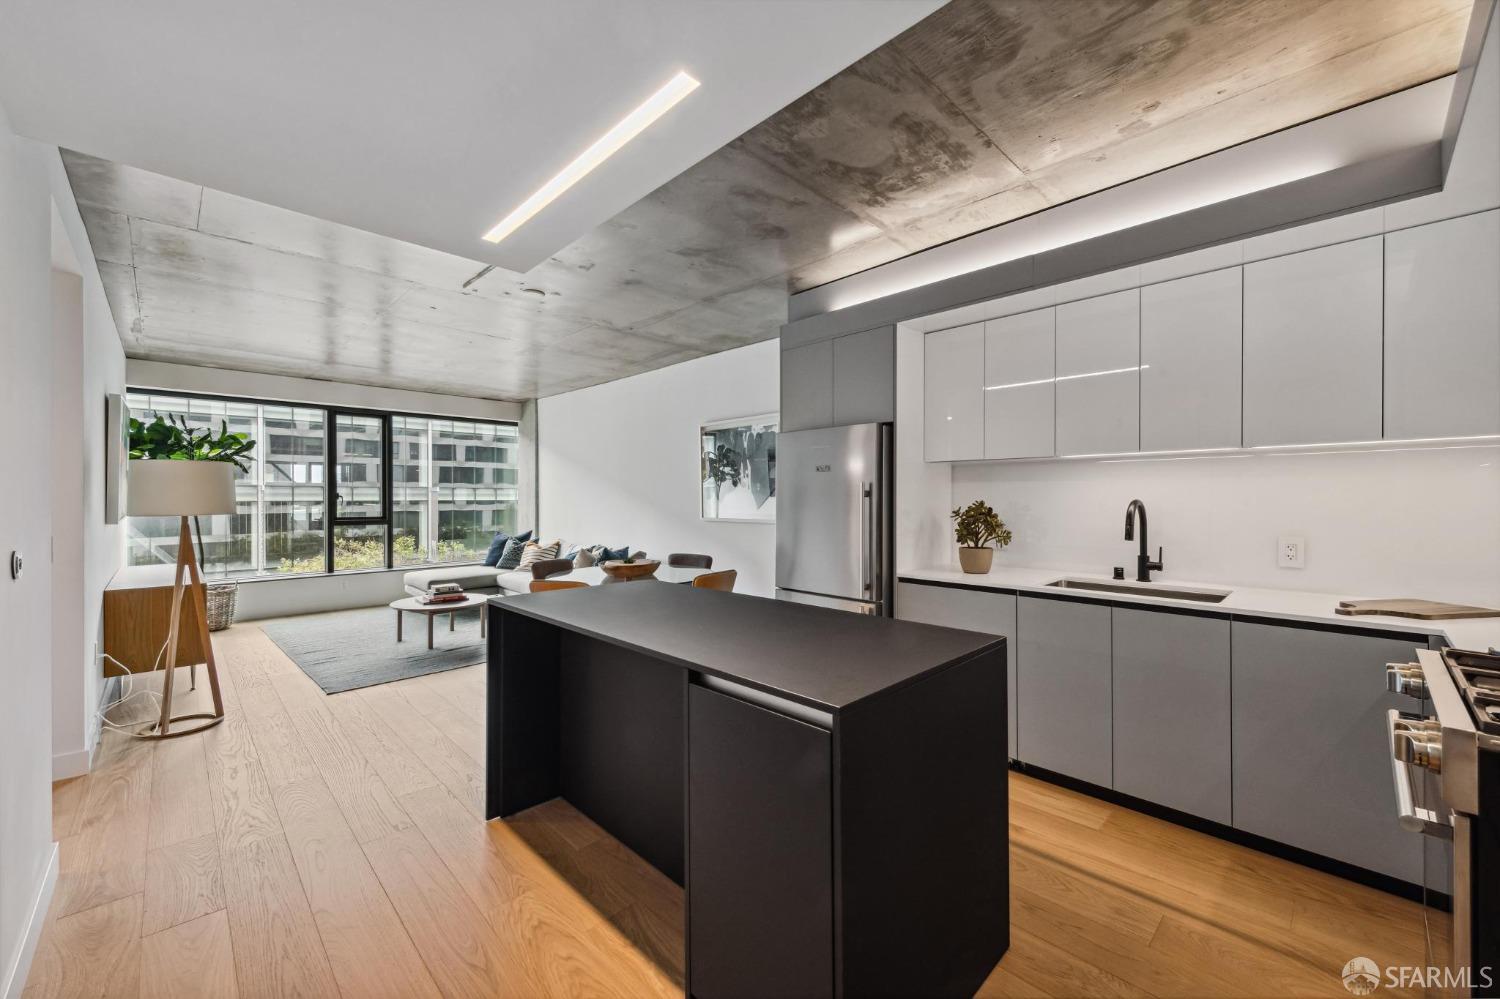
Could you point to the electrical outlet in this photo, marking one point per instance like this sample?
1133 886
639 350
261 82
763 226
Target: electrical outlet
1290 552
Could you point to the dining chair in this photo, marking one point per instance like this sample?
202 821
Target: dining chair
716 580
687 560
551 567
542 585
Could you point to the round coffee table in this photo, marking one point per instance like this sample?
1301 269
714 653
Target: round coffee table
415 606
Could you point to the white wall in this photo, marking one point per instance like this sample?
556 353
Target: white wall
70 672
27 857
1398 523
618 463
89 366
263 598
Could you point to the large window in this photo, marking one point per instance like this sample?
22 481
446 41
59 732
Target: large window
451 483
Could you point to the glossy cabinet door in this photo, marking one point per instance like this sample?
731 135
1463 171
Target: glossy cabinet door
760 851
1064 688
1019 363
972 610
1098 374
1190 362
1442 329
953 398
807 386
1172 710
864 377
1312 764
1313 346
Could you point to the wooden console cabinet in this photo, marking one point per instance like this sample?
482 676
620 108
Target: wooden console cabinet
137 612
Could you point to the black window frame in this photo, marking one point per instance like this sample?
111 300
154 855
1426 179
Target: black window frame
330 483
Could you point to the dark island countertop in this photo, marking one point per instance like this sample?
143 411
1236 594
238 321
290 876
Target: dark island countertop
826 659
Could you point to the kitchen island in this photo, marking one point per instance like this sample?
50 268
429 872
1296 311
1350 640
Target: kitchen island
830 788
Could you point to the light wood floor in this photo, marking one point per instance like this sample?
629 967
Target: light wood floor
322 846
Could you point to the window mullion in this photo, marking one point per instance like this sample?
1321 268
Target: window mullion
429 478
258 523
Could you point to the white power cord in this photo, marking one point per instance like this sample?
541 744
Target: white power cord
127 693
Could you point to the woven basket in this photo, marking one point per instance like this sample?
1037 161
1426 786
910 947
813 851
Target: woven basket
220 598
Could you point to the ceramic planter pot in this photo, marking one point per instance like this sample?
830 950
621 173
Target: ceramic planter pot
976 560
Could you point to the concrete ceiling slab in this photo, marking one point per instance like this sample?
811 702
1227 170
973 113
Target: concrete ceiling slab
425 123
982 113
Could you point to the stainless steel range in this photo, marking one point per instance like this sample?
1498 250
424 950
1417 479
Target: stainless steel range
1446 765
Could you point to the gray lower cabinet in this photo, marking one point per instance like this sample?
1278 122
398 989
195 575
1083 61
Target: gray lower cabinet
1311 763
807 386
1172 710
1064 685
864 377
972 610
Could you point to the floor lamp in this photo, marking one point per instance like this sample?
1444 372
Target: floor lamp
182 489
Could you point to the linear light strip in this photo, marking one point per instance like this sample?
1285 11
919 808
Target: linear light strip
1068 378
603 148
1285 450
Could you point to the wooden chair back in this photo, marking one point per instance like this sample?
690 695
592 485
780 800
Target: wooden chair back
542 585
687 560
716 580
551 567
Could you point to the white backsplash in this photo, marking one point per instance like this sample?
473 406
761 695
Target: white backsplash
1409 522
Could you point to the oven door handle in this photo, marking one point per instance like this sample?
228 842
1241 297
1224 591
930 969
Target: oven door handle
1411 817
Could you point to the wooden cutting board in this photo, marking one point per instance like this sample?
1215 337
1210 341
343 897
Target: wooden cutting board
1426 610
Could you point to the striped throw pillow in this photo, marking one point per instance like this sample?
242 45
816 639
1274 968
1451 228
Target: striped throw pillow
537 552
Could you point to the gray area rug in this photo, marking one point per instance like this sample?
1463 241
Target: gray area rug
346 650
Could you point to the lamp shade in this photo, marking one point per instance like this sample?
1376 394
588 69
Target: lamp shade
165 488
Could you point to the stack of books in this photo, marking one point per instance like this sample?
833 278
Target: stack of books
442 593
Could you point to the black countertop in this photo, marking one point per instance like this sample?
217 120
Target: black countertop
827 659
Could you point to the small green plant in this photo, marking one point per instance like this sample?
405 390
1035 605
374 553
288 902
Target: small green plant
977 525
171 439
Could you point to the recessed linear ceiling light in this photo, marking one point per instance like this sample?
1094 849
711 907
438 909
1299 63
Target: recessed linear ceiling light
603 148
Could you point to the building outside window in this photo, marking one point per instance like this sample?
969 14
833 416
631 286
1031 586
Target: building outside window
453 485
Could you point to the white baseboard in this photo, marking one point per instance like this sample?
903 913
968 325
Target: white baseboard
15 976
74 764
81 761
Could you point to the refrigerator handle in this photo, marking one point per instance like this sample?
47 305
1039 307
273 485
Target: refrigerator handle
867 535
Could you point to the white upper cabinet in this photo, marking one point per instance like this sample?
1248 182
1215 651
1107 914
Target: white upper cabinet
1190 362
1019 356
1313 346
1442 329
1098 374
953 394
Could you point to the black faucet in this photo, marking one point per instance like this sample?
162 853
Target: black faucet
1143 563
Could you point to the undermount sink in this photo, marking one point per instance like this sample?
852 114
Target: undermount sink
1141 590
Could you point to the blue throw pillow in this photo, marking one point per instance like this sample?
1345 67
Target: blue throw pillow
511 557
615 554
497 548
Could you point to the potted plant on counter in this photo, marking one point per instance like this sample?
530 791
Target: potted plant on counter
979 531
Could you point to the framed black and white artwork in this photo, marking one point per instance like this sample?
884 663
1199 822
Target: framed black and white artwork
116 457
737 469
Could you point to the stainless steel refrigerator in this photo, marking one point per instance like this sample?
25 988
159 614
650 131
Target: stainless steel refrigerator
833 518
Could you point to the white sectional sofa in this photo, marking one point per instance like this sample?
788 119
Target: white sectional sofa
476 578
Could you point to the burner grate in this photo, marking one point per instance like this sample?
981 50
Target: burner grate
1477 675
